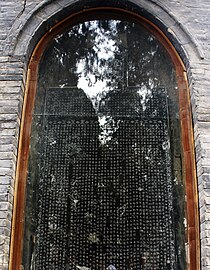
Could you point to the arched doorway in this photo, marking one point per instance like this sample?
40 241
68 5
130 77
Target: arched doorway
107 188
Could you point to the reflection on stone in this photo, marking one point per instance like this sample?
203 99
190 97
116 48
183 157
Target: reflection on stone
103 170
106 206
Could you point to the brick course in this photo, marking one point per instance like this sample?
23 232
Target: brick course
23 22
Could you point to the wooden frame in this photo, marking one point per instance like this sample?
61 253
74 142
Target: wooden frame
189 169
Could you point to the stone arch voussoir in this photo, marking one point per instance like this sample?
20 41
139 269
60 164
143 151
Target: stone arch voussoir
29 28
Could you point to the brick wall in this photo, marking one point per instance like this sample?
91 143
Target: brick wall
22 22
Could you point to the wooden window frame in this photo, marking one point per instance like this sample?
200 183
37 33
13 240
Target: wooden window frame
188 163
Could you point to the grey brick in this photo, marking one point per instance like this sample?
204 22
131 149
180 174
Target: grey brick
187 20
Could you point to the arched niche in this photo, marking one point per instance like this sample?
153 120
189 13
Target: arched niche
171 98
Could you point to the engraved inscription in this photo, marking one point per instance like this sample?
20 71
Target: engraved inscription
102 205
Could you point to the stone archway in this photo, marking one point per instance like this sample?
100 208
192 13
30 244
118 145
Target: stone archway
188 152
